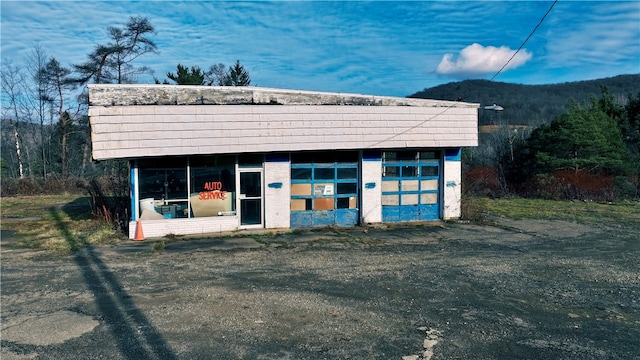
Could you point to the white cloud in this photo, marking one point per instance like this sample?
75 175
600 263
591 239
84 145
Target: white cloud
476 59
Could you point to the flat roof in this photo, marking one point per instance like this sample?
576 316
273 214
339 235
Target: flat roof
155 94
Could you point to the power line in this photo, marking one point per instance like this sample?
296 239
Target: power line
493 77
525 41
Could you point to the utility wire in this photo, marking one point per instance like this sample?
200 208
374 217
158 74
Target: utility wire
525 41
493 77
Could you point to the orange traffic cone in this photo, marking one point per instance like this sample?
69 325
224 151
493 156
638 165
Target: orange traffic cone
139 235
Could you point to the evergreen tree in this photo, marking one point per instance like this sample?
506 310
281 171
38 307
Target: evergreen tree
583 139
186 76
112 62
237 76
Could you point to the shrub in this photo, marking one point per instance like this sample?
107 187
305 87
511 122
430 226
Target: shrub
34 186
473 208
481 181
573 185
109 199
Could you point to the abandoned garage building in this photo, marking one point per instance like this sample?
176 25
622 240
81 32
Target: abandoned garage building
215 159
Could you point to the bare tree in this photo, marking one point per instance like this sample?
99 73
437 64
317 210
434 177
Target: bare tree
40 97
112 62
12 82
216 74
59 81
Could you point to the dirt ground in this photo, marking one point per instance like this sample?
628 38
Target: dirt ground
515 290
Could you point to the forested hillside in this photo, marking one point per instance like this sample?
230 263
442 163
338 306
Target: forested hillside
531 105
576 140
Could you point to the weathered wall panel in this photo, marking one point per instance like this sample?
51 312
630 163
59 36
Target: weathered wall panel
128 124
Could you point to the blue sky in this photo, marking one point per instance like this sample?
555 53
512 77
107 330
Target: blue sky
392 48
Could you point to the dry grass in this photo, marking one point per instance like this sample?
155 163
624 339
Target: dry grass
623 213
57 223
63 223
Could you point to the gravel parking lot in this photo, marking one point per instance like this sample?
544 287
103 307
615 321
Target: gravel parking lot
513 290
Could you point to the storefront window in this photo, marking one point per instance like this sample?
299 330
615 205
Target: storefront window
163 184
181 187
163 188
213 185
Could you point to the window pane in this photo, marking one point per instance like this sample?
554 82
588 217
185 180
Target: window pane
389 156
346 203
251 211
390 200
343 203
323 189
410 199
409 171
151 183
429 171
176 184
347 173
429 185
323 204
346 188
428 155
173 210
163 183
431 198
299 204
213 186
410 185
324 173
208 178
301 189
251 184
390 171
301 174
212 203
390 185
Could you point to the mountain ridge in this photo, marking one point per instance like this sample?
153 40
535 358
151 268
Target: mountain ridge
530 105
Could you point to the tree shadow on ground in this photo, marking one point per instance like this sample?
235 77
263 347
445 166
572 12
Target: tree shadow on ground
78 209
134 334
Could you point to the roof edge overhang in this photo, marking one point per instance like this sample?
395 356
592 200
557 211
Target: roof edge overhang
156 94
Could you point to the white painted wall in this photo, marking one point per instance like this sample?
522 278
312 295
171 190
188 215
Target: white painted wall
371 211
193 226
277 200
452 185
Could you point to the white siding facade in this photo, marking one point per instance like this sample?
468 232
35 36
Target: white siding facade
123 130
155 121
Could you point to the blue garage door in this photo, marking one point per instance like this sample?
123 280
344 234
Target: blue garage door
410 186
324 189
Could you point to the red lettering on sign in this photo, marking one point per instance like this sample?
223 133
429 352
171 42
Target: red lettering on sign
213 185
212 195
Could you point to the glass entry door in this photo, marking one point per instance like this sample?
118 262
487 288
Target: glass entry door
250 198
